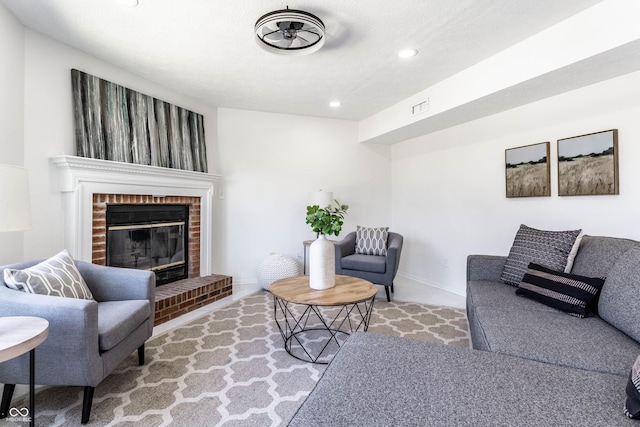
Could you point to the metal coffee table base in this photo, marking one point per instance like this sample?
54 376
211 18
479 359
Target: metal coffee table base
314 333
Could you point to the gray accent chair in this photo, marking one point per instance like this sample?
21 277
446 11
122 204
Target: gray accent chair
87 339
380 270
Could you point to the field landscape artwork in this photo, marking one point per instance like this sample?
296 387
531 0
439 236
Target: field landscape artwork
527 171
588 164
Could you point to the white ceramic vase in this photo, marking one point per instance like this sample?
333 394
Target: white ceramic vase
322 267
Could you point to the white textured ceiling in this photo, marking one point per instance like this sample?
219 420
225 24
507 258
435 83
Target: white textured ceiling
206 48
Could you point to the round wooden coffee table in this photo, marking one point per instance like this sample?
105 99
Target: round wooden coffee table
314 323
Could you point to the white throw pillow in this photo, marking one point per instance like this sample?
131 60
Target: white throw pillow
573 253
57 276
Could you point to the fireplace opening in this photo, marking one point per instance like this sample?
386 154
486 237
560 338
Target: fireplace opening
149 237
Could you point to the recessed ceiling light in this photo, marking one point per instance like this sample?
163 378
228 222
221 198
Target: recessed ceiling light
131 3
407 53
335 104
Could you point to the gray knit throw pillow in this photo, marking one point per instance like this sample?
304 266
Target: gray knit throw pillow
548 248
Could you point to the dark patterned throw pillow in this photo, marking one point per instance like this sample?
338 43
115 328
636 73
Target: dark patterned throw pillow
570 293
548 248
632 405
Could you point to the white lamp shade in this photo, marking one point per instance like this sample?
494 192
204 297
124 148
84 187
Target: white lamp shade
322 198
15 214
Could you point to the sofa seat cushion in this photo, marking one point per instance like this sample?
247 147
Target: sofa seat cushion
118 319
557 338
370 263
495 294
392 381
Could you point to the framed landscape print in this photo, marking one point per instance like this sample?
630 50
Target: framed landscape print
588 164
527 171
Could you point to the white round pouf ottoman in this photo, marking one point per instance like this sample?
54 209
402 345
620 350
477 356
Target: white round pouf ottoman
276 267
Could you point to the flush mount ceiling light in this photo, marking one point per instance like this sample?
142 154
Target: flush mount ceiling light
290 32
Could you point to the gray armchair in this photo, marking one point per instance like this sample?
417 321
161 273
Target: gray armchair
87 339
380 270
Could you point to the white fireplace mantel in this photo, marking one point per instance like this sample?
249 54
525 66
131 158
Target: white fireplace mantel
81 178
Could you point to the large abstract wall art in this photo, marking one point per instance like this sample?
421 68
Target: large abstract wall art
120 124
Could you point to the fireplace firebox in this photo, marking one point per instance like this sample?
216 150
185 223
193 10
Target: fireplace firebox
149 237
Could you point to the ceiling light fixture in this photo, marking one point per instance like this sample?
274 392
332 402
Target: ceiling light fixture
335 104
290 32
407 53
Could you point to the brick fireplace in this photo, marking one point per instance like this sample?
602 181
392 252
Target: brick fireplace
99 228
89 185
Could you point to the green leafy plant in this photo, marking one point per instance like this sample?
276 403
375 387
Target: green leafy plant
327 220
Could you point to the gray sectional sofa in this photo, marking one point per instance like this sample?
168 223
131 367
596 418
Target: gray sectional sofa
500 321
531 365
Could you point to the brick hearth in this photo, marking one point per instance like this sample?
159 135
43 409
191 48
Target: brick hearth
181 297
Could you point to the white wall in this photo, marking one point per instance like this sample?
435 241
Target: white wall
49 128
446 190
11 116
269 163
449 187
272 162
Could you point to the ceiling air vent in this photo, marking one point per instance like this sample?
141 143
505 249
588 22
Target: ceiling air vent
420 108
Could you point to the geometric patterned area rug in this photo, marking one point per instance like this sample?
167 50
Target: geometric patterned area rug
226 368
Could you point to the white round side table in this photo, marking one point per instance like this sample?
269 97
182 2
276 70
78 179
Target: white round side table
18 335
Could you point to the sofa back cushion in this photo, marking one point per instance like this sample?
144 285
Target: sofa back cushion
620 298
598 254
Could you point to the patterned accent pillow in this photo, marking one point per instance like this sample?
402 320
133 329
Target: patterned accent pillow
371 241
57 276
548 248
570 293
632 405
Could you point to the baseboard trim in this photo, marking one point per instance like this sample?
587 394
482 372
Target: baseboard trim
427 282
